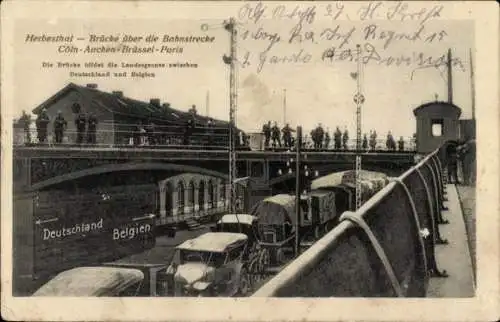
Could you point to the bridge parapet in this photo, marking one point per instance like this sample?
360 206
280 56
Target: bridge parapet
384 249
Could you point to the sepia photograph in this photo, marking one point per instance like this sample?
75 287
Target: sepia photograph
261 151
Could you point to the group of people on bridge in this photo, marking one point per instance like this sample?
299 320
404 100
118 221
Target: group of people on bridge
86 126
321 139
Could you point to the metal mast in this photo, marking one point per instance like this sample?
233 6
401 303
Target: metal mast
359 100
231 28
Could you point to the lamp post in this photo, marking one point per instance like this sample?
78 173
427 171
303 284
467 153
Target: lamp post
231 61
359 99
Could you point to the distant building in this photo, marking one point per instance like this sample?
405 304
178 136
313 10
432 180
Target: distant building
437 122
118 116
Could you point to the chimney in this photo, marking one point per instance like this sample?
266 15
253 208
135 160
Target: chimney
166 105
155 102
93 86
118 93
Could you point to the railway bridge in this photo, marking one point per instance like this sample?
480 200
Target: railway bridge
395 241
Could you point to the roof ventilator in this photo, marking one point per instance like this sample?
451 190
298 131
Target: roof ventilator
360 222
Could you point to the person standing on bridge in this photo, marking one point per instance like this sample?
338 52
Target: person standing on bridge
365 142
401 144
42 122
373 140
345 139
275 135
266 129
287 136
59 127
337 138
327 138
92 129
80 123
26 123
390 143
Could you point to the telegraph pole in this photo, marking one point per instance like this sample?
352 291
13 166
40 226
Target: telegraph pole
231 61
359 99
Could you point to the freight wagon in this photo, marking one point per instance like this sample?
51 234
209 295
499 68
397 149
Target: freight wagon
319 211
55 230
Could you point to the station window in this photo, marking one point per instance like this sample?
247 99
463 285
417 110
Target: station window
437 128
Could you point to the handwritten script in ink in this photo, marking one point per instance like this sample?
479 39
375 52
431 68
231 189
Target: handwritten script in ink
330 32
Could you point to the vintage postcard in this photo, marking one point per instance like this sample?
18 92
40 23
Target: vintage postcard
249 160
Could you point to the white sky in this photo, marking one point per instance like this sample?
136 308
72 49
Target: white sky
317 92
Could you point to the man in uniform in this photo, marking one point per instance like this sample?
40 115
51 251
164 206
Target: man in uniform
401 144
266 129
42 122
338 138
390 144
80 123
59 127
327 138
92 128
287 136
373 140
275 135
345 139
365 142
320 136
26 122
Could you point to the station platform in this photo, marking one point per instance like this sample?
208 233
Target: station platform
454 257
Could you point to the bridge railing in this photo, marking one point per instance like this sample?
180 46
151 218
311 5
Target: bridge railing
384 249
175 137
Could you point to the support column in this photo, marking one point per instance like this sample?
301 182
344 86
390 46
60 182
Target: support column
162 189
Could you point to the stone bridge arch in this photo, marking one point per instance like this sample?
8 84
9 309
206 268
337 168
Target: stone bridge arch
107 168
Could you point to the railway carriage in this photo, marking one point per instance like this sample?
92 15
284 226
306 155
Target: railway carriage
319 211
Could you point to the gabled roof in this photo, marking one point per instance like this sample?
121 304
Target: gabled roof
441 104
120 104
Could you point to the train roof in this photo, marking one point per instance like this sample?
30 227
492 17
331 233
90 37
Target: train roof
276 210
237 219
90 281
281 199
440 107
347 178
214 242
